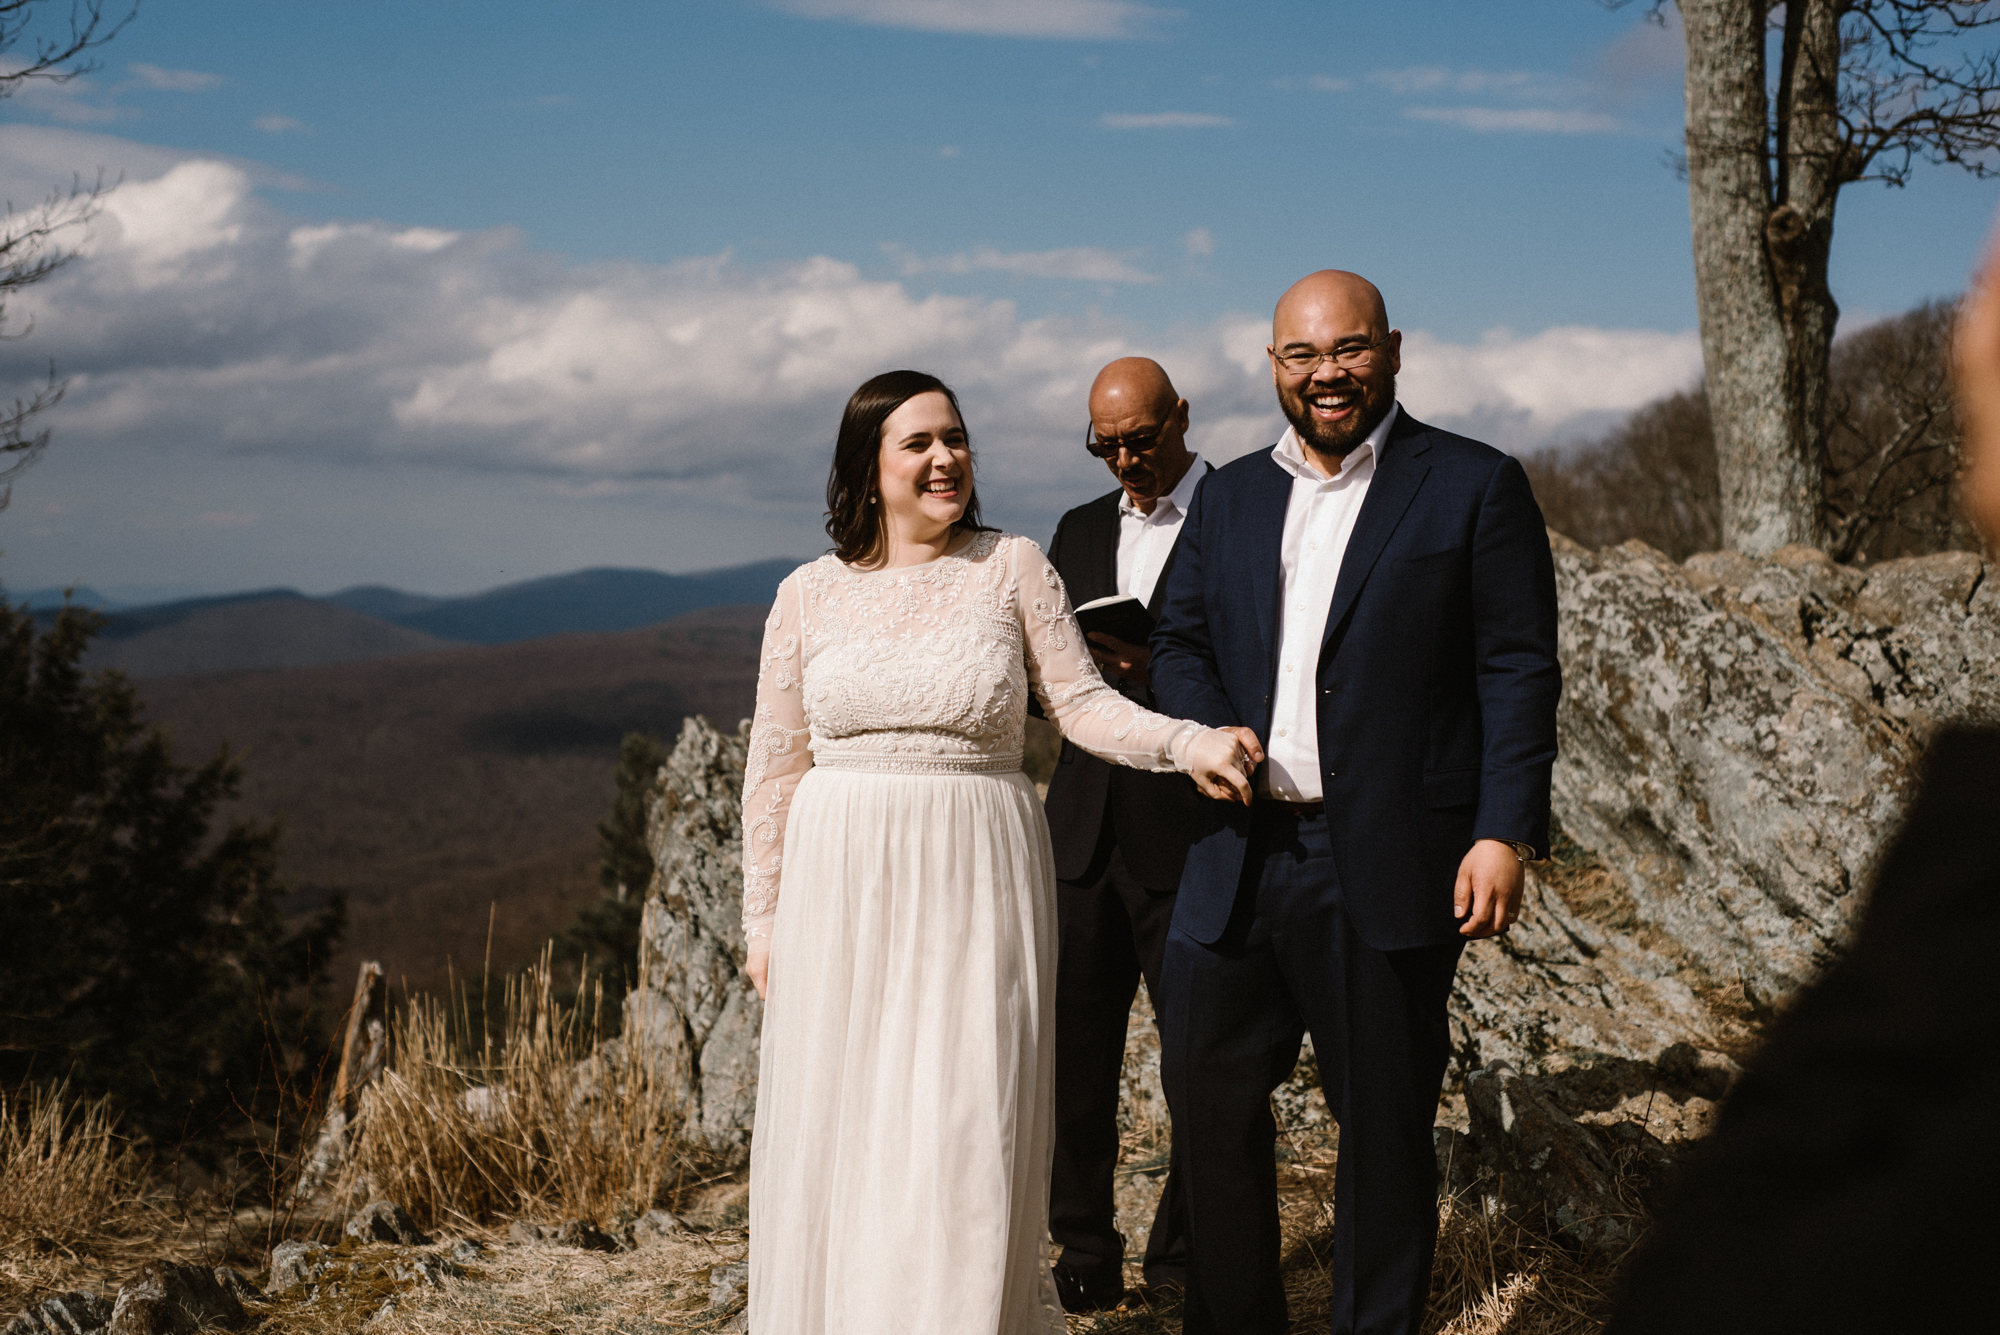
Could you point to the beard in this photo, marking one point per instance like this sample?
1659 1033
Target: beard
1338 439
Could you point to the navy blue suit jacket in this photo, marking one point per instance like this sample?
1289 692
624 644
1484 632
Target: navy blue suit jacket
1437 676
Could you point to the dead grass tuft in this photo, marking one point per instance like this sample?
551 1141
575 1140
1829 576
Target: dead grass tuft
540 1119
71 1192
1493 1275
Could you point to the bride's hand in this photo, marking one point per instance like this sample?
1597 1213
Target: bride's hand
758 965
1221 762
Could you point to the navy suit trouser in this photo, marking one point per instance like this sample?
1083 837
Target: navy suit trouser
1289 963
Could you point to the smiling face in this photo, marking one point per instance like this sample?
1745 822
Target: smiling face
1333 408
925 468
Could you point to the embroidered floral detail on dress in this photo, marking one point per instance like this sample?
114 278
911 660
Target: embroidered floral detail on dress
922 670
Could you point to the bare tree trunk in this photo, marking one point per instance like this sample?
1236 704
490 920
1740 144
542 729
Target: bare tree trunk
1762 181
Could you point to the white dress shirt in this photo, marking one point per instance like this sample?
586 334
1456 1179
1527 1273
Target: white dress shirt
1145 541
1319 519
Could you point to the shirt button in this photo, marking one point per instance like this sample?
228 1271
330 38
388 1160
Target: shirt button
1288 667
1313 545
1281 732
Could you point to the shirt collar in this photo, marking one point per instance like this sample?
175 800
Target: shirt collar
1291 455
1179 498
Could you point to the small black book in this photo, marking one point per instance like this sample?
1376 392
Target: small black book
1122 618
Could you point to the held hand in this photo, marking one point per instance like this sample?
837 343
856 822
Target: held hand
1126 660
1221 762
1488 893
758 966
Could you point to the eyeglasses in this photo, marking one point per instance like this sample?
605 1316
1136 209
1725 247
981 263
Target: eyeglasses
1348 357
1137 443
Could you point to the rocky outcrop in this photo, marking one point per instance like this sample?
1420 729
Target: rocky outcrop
175 1300
695 1009
384 1221
64 1314
1738 739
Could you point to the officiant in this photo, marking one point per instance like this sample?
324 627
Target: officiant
1120 834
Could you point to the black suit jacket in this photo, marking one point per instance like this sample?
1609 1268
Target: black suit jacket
1437 674
1150 813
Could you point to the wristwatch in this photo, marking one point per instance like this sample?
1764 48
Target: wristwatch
1525 852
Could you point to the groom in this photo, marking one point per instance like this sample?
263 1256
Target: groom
1376 599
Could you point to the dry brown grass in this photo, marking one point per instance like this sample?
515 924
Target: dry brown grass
74 1199
541 1291
536 1119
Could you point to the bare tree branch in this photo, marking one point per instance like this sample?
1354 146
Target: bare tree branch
40 47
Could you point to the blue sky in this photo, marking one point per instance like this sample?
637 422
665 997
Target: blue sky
441 294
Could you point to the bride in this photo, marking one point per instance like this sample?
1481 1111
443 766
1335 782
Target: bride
899 893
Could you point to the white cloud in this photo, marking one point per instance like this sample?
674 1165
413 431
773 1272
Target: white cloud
1546 382
1162 120
1528 120
1326 83
1081 264
276 124
1648 53
1199 242
73 101
203 319
1434 78
173 81
1064 19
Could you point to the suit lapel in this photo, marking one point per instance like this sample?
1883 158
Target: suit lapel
1107 556
1095 564
1264 544
1160 584
1399 472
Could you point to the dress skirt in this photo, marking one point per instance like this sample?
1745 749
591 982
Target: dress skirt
900 1162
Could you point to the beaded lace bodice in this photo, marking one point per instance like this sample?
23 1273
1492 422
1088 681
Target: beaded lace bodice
923 669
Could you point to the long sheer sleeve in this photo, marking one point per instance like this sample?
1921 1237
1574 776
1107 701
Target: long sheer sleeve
778 757
1073 694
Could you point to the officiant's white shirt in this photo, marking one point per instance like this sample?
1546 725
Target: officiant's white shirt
1319 519
1144 541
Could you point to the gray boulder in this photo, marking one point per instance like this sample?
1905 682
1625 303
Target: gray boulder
1545 1161
175 1300
298 1263
695 1009
64 1314
1738 740
1738 790
385 1221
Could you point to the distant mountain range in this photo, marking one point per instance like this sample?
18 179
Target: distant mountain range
270 628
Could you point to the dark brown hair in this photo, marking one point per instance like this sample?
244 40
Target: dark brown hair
854 525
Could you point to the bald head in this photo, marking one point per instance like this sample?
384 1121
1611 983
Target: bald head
1334 294
1134 408
1130 384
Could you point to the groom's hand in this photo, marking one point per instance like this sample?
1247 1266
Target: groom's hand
1488 893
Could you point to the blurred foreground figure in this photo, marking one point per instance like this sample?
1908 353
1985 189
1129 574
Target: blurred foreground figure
1978 368
1850 1182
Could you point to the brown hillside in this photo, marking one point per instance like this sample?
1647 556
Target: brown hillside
268 633
435 787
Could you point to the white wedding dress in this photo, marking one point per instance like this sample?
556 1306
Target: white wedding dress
900 862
